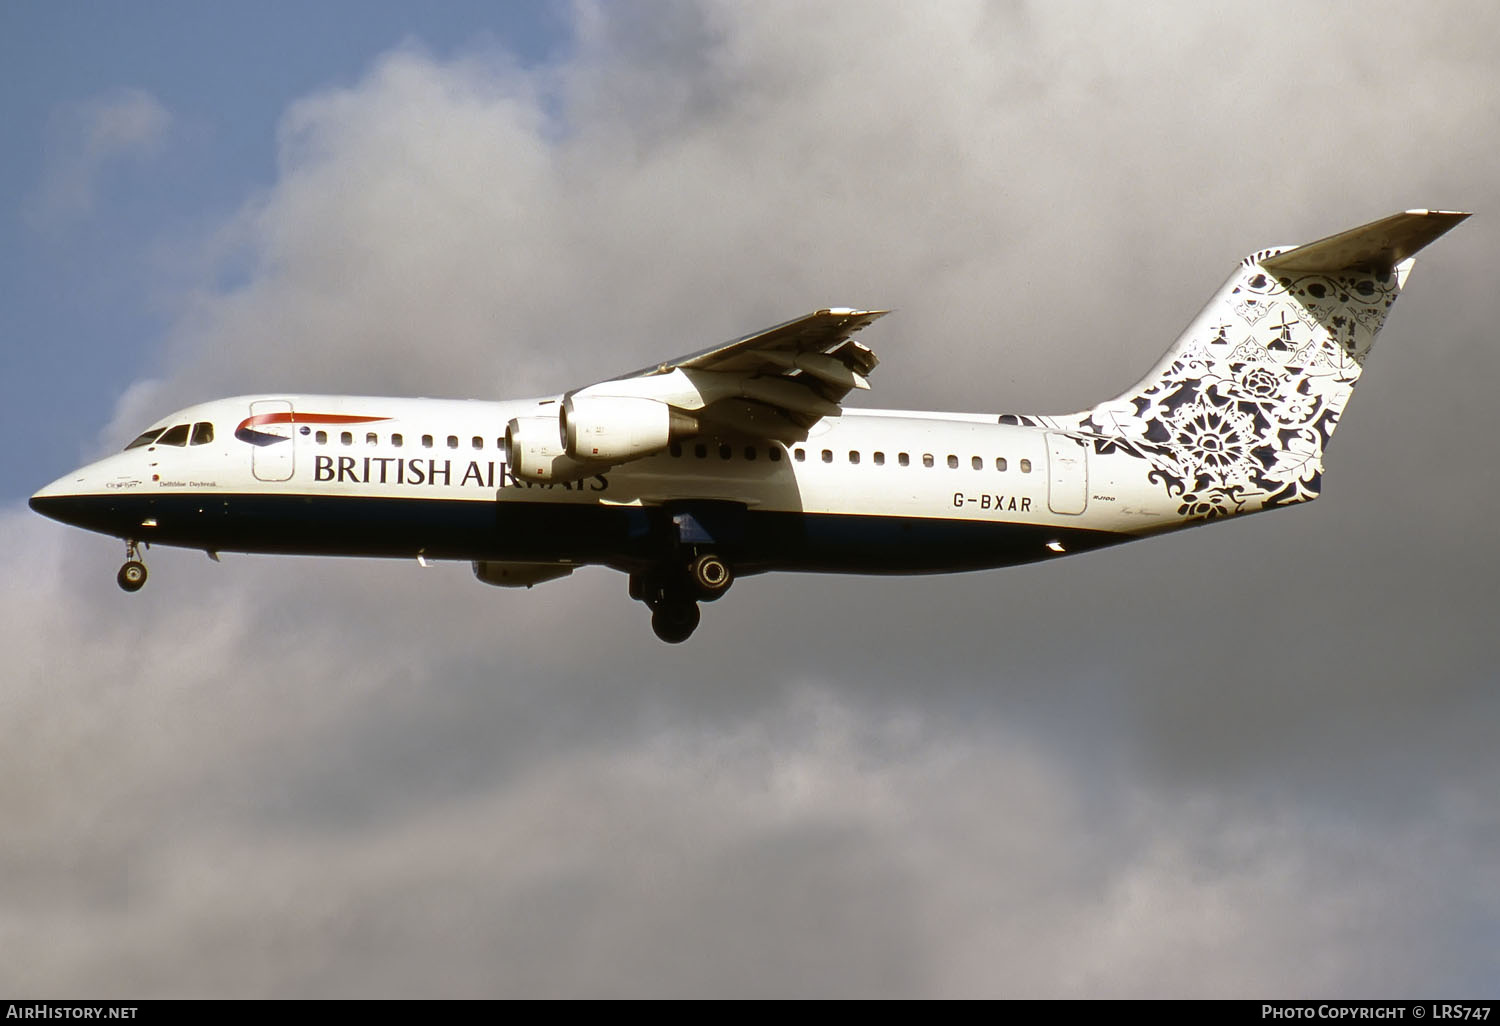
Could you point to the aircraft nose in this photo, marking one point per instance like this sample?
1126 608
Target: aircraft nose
49 505
59 501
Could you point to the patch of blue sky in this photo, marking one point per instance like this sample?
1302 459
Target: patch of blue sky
83 301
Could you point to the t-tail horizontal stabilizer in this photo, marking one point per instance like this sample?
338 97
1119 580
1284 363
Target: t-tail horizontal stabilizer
1375 247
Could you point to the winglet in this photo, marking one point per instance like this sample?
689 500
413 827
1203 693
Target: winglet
1378 246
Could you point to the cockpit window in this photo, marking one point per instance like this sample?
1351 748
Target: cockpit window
174 436
145 439
203 433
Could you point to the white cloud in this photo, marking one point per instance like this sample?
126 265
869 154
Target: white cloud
85 138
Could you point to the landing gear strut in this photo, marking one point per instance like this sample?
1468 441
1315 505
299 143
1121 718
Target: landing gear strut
132 576
672 593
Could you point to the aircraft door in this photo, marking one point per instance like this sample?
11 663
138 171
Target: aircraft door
1067 467
272 446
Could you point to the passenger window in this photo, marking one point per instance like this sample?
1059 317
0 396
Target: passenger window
453 441
478 442
177 435
427 441
675 448
775 454
749 452
396 441
1025 466
800 454
321 437
827 455
880 459
977 463
371 438
1000 463
927 459
904 459
347 438
700 451
203 433
145 439
725 452
853 456
952 462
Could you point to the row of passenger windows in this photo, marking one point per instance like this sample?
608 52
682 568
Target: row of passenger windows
398 440
928 460
203 432
200 433
726 452
700 450
799 454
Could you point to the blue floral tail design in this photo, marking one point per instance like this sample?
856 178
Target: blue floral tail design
1237 415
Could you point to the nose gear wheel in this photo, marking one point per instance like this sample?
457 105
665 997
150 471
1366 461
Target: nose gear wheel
132 576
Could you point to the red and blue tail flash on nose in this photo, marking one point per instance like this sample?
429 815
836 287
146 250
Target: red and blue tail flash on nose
246 432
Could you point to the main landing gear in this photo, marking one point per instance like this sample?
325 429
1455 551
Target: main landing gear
673 593
132 576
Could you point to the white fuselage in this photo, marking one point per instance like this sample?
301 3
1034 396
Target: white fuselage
867 479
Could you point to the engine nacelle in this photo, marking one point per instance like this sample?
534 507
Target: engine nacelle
534 452
519 575
614 429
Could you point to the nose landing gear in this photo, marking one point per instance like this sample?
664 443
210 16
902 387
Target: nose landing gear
132 576
673 593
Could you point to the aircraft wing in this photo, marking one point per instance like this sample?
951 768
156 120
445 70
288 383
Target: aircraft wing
826 332
772 384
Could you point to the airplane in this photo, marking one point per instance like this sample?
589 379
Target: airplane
743 459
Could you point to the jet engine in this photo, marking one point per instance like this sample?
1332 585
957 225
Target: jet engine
614 429
534 452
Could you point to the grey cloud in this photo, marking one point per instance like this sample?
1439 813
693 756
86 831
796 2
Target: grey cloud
241 818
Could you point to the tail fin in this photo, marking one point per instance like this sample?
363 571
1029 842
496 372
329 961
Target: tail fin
1235 418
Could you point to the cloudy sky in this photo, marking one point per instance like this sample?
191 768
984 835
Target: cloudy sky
1252 760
